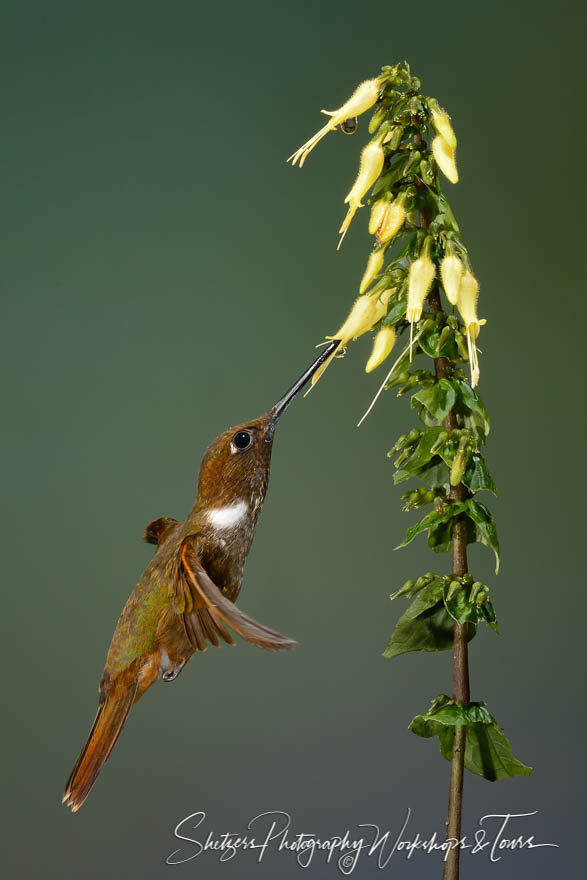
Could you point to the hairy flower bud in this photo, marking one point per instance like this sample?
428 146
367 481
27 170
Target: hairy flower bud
467 306
445 158
451 272
377 211
370 168
364 96
382 346
374 266
441 122
420 279
393 219
364 314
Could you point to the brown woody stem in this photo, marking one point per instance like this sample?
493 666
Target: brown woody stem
460 657
460 654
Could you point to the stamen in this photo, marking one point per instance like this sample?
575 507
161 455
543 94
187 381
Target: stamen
386 380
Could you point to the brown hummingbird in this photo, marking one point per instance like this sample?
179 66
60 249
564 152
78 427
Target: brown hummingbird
185 597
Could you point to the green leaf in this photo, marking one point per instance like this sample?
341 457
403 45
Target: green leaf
490 617
487 750
470 400
438 399
396 312
425 626
440 537
395 173
435 475
432 519
445 219
435 344
463 610
477 476
446 712
486 529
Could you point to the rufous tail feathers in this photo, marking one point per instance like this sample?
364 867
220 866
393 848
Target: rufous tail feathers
115 704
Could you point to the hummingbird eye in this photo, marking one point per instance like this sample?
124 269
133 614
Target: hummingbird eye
242 440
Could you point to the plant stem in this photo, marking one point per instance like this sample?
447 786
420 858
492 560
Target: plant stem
460 656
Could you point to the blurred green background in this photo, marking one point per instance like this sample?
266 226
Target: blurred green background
166 274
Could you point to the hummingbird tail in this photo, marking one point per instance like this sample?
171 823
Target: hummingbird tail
112 711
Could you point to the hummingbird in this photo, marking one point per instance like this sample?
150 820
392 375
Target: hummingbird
184 601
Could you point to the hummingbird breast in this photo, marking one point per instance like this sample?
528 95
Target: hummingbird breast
227 532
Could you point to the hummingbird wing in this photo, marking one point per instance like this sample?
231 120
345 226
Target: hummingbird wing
159 529
211 606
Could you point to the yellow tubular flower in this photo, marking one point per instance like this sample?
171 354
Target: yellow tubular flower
441 122
451 272
377 212
467 306
370 168
364 96
420 280
374 266
382 346
364 314
393 219
445 158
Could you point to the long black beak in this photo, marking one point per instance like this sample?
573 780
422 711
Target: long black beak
287 398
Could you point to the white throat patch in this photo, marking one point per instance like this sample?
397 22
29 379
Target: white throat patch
228 517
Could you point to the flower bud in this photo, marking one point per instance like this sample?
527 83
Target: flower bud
361 99
475 590
370 168
462 345
374 266
441 122
405 588
399 444
393 219
420 279
377 212
443 435
459 465
393 137
451 272
467 306
445 158
364 96
378 117
427 172
382 346
453 589
365 313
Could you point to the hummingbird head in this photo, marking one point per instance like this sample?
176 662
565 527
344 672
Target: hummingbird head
236 465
